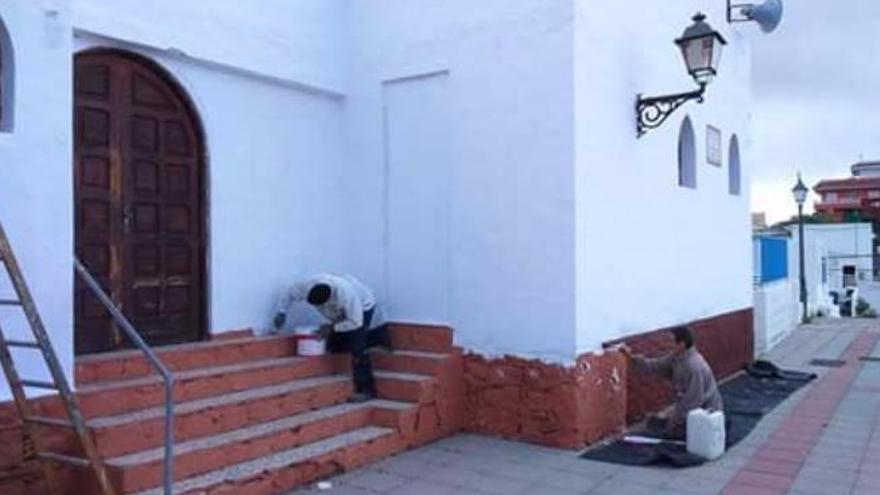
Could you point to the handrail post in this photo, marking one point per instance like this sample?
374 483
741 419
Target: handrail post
167 375
169 434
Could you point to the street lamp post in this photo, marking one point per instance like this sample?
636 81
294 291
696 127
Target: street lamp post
800 196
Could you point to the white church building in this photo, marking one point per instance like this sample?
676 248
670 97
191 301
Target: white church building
476 163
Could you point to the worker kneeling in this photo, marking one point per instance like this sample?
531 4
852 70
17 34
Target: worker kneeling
692 379
349 306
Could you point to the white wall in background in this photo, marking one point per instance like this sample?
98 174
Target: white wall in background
510 163
36 192
777 312
650 253
417 202
562 231
836 244
296 40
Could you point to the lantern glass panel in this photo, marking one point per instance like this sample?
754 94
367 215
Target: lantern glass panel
702 56
800 192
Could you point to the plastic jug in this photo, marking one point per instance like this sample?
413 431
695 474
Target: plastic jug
705 433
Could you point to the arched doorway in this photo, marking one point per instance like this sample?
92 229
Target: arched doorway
139 203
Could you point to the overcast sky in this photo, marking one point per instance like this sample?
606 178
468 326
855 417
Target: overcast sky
817 97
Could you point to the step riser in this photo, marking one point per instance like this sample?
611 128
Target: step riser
408 364
279 481
416 426
421 337
113 369
405 336
122 400
142 435
420 392
141 477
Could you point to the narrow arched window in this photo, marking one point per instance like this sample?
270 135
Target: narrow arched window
687 155
734 172
7 80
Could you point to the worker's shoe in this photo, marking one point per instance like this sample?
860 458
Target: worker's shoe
358 397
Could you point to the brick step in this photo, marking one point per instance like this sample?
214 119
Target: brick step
423 363
144 470
414 337
289 469
121 365
406 387
112 398
144 429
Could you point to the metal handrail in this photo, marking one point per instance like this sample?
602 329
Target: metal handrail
167 375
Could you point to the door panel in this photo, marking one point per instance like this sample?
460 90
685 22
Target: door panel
138 166
418 198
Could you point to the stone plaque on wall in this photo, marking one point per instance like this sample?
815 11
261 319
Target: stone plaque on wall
713 145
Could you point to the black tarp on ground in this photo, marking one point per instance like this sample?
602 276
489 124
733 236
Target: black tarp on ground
747 398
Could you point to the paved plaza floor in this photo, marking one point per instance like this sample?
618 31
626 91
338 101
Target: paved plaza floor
824 440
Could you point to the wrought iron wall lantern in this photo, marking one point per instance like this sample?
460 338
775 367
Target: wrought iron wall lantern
701 48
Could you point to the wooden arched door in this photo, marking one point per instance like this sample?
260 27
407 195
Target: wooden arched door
139 224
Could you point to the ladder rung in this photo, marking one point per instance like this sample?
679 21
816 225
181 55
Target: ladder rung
22 343
38 384
10 302
47 421
65 459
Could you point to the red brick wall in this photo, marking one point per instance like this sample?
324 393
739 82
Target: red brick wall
520 399
726 341
601 395
21 474
15 474
533 401
570 407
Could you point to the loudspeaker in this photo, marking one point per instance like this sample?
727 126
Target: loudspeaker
768 15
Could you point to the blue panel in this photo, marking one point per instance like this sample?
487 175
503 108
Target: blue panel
774 259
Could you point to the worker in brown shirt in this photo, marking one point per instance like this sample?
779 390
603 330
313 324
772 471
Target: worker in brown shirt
691 376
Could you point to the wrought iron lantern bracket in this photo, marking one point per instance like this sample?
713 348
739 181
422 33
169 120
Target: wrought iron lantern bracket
653 111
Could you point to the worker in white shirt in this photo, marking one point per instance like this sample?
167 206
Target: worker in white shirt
348 305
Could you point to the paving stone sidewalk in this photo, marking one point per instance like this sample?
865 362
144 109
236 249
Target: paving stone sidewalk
824 440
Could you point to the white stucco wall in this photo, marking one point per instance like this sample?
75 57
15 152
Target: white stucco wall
558 230
295 40
817 285
36 196
777 312
650 253
839 244
510 237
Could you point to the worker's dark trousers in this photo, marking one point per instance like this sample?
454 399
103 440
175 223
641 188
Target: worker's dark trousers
357 342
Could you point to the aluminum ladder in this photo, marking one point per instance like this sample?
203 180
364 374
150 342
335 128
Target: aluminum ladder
31 422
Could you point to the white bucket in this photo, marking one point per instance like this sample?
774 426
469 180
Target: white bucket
310 345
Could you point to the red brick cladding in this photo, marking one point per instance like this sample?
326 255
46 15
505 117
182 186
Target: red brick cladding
20 473
533 401
520 399
726 341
